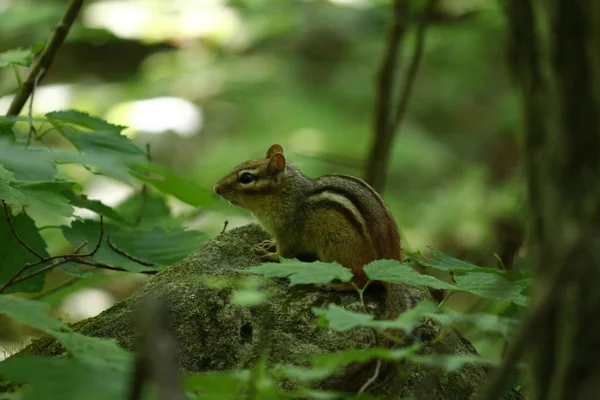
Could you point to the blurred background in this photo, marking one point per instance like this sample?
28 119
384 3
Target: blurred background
211 83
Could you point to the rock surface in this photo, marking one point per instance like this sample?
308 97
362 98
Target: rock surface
213 334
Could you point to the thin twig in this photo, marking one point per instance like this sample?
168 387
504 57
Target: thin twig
32 131
386 124
361 297
224 227
413 67
46 57
15 279
372 378
81 246
34 273
14 232
112 267
55 289
385 84
91 253
127 255
144 191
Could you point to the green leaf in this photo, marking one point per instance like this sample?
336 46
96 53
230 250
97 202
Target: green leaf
301 273
483 321
40 164
153 208
409 319
13 256
64 378
78 270
18 56
251 294
219 384
168 182
493 286
104 353
27 164
158 246
333 361
249 297
395 272
42 196
81 201
30 312
481 284
340 319
452 362
88 133
446 262
302 374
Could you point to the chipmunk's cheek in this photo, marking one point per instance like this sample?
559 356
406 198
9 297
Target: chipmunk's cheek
233 200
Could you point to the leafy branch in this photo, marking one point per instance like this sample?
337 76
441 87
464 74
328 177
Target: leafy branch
46 57
61 259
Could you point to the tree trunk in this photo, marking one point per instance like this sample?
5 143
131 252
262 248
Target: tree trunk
555 53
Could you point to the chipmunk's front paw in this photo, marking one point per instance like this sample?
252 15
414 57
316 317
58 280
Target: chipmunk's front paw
267 250
268 245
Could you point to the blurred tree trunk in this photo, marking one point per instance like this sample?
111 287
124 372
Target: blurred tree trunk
555 55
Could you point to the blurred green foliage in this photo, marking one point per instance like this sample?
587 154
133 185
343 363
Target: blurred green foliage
302 73
170 97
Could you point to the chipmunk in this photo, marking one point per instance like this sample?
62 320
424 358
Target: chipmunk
331 218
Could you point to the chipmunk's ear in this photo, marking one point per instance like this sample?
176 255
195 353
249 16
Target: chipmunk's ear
276 148
276 164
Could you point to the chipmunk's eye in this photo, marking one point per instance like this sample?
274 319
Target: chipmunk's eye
246 178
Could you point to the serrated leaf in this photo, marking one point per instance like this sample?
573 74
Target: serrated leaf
30 312
301 273
157 246
168 182
483 321
104 353
42 196
340 319
493 286
81 201
395 272
446 262
452 362
153 208
83 120
13 256
27 164
88 133
40 164
64 378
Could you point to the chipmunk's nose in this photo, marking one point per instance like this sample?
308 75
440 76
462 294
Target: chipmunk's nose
217 189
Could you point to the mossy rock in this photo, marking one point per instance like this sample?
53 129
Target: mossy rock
213 334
